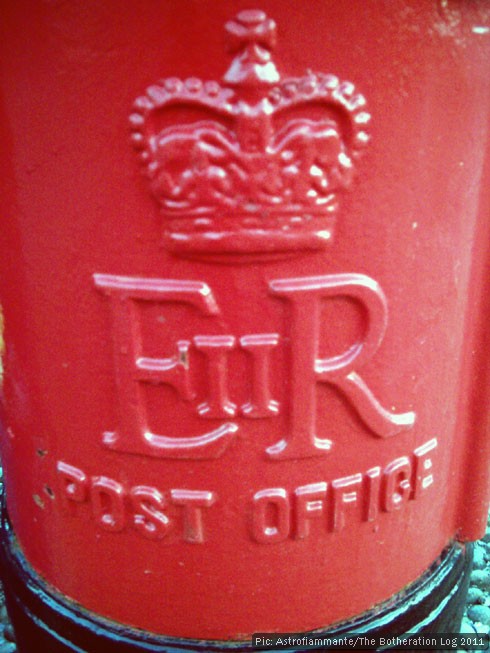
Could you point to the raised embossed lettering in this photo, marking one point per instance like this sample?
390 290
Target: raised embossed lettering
133 434
397 484
372 481
149 518
74 483
423 476
305 296
271 518
150 512
309 504
304 299
276 514
345 493
193 502
216 349
323 507
259 348
107 497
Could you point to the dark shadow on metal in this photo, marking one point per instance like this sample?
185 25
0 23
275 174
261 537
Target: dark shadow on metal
45 620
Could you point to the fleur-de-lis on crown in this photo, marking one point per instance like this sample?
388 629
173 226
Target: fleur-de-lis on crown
250 177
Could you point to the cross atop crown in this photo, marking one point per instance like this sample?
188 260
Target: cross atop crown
249 178
251 36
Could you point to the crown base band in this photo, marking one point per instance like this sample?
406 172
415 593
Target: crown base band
187 236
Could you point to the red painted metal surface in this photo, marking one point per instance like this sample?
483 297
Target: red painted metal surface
255 401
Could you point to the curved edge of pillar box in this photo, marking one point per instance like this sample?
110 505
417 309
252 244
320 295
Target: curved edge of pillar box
45 620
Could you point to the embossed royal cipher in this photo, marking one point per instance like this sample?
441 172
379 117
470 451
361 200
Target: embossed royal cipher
253 175
257 178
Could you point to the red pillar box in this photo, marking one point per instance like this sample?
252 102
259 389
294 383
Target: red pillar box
247 390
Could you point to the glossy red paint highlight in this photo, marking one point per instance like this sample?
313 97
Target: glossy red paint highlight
246 426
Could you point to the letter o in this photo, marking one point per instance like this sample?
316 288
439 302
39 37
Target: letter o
271 516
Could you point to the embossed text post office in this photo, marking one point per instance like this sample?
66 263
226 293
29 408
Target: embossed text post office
245 373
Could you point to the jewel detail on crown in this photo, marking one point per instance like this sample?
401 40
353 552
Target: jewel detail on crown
261 171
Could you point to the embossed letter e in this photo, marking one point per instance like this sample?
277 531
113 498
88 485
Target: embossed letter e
305 296
132 368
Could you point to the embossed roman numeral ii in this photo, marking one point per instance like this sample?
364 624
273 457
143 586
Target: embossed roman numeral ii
303 300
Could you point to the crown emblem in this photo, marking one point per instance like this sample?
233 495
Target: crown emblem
262 170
